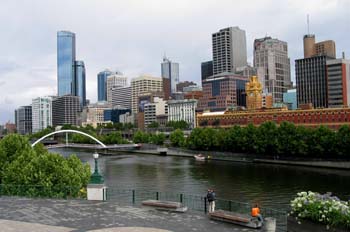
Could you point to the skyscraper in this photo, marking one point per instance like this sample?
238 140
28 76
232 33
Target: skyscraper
272 55
80 81
229 50
311 78
102 84
170 70
65 63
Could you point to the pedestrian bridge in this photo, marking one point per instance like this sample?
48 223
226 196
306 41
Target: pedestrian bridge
99 144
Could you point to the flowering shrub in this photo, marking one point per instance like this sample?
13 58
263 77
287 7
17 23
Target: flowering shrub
325 209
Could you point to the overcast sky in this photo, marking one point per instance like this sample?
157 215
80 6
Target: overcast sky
132 35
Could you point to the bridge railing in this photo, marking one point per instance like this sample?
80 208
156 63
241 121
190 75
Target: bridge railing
193 202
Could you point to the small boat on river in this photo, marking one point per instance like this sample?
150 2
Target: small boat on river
200 157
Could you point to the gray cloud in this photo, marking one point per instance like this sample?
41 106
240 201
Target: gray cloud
133 35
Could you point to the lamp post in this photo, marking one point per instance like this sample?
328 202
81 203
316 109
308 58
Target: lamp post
96 177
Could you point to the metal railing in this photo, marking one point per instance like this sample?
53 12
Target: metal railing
193 202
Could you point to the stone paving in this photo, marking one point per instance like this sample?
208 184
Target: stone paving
24 214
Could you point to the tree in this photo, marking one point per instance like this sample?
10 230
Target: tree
36 172
183 125
157 138
177 138
140 137
153 125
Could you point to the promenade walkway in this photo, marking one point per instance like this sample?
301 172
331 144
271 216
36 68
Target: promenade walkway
24 214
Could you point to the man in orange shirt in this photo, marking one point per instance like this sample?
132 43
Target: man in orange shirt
256 213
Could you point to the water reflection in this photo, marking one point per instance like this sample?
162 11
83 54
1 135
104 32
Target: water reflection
271 185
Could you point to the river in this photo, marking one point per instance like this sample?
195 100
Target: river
269 185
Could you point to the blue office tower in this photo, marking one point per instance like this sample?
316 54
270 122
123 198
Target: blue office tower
65 63
102 84
80 82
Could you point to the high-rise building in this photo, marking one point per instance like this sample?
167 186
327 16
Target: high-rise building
206 69
185 110
120 97
338 82
65 63
311 80
80 82
170 70
143 85
325 48
223 91
65 110
41 113
154 109
102 84
229 50
23 116
115 80
272 56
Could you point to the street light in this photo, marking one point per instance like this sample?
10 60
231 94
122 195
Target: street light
96 177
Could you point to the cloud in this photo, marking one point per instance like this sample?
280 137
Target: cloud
133 35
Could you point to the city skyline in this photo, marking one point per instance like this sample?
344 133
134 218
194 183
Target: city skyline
28 63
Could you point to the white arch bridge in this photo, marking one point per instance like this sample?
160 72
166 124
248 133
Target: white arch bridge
94 146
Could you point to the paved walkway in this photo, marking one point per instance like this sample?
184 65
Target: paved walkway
29 215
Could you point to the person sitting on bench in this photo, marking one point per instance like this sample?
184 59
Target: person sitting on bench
256 213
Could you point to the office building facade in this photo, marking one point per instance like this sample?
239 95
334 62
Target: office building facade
170 70
143 85
65 110
41 113
153 109
115 81
113 115
338 83
185 110
80 82
229 50
290 99
223 91
311 81
206 69
271 55
102 85
65 63
23 120
323 48
120 97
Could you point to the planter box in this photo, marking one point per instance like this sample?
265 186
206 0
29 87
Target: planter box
307 226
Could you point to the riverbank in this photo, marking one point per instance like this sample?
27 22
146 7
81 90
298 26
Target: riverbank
246 158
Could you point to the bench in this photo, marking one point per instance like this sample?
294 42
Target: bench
165 205
235 218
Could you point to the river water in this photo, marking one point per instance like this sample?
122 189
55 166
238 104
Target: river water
269 185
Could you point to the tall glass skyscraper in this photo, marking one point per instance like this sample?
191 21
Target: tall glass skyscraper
65 63
170 70
80 82
102 84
